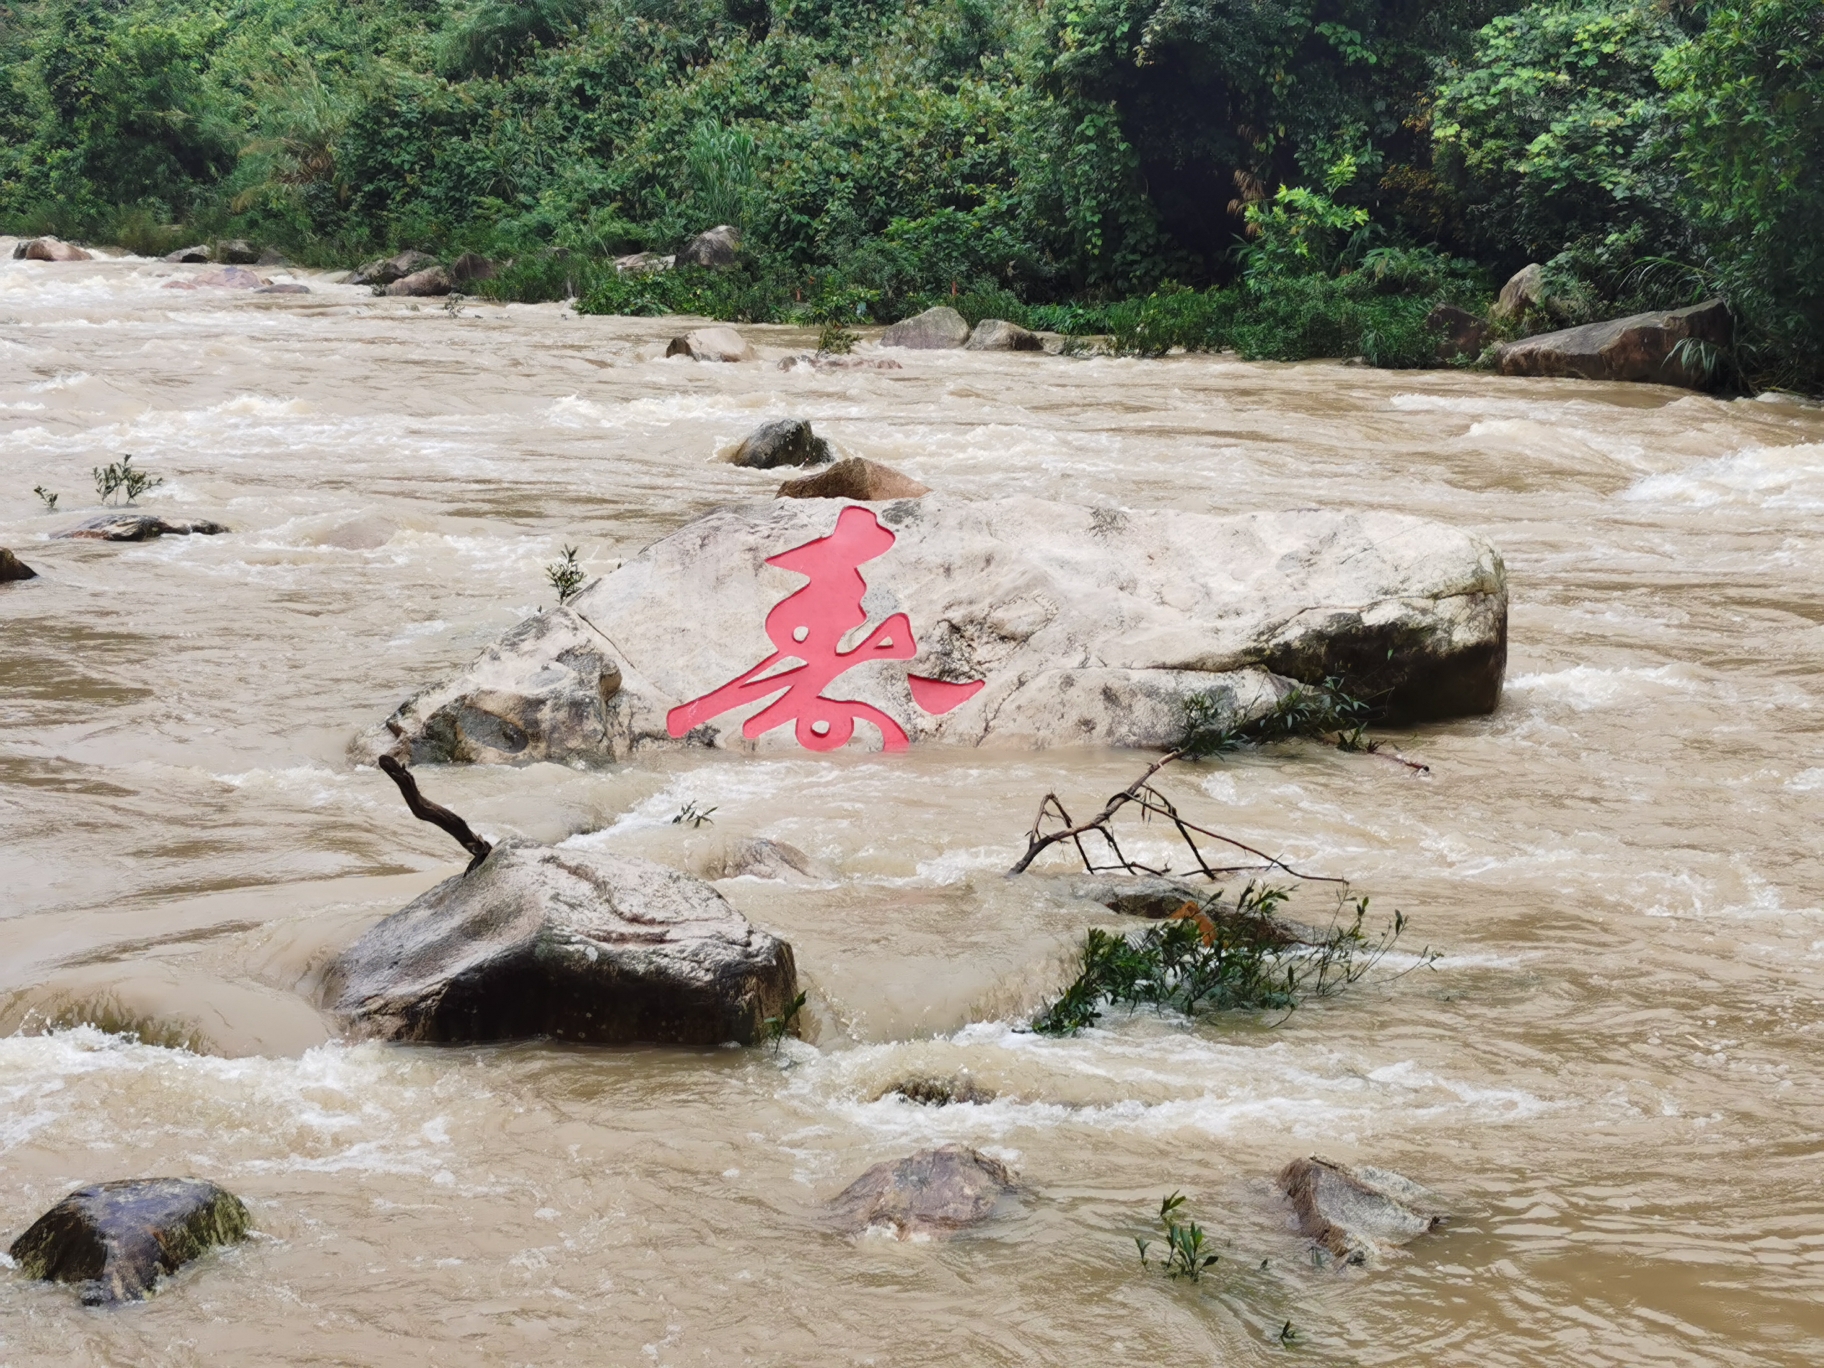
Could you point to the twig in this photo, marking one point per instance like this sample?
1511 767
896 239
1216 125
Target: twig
435 813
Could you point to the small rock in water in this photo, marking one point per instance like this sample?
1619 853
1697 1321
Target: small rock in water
224 278
712 344
831 361
939 1092
1357 1213
272 256
760 858
932 330
286 288
190 256
932 1192
12 568
114 1239
716 249
576 944
784 441
429 283
1154 897
862 480
49 249
997 334
126 526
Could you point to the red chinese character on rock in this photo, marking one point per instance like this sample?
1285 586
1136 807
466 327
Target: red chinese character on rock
806 627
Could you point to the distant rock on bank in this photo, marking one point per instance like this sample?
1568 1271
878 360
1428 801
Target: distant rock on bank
933 330
997 334
932 1192
573 944
49 249
1014 622
125 526
1641 347
385 270
431 283
716 249
712 344
114 1240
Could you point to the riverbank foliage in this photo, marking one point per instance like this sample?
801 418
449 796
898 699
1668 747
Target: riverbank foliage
1283 177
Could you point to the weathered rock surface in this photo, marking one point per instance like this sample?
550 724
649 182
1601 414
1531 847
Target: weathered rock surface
781 442
385 270
997 334
1357 1213
643 263
1639 347
932 330
761 858
272 256
237 251
1460 333
829 361
718 248
49 249
129 526
576 944
12 568
856 478
1013 622
286 288
114 1240
429 283
930 1091
471 267
932 1192
712 344
223 278
190 256
1524 293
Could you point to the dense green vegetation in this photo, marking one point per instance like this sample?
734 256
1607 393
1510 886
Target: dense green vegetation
1286 177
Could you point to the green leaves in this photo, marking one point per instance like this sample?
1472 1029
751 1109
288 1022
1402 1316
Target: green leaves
1184 1243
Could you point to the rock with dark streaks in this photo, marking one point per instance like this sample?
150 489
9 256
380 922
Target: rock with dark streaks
115 1240
126 526
783 441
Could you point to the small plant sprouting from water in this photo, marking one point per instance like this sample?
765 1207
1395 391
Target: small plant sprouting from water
566 576
1313 711
836 340
50 499
775 1028
693 816
1184 1242
119 477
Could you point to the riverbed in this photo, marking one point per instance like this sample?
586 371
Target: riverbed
1610 1069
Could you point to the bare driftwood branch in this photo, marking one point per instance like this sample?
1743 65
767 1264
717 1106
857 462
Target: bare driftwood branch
435 813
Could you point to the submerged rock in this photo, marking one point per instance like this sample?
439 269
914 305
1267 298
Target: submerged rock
1013 622
933 330
196 255
1641 347
712 344
1357 1213
125 526
114 1240
12 568
997 334
576 944
431 282
862 480
385 270
287 288
223 278
835 361
49 249
928 1091
716 249
783 441
932 1192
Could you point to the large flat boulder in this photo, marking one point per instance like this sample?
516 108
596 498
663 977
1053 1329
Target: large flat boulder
114 1240
712 344
1641 347
575 944
933 330
1014 622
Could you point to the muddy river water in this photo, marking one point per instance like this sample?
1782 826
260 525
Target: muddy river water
1612 1072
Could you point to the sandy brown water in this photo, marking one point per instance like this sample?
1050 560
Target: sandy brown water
1612 1071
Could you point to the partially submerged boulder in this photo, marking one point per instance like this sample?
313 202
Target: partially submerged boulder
856 478
385 270
932 1192
833 361
1640 347
932 330
1010 622
716 249
289 287
781 442
114 1240
1360 1213
125 526
429 283
760 858
49 249
12 568
575 944
997 334
223 278
712 344
196 255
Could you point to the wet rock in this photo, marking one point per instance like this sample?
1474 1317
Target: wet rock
197 255
114 1240
1640 347
287 288
575 944
782 442
826 361
643 263
1139 895
223 278
1357 1214
386 270
429 283
469 268
49 249
717 249
940 1092
932 1192
997 334
855 478
237 251
1013 621
272 256
712 344
12 568
760 858
931 330
1461 334
127 526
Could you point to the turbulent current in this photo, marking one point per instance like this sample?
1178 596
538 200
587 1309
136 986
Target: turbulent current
1611 1071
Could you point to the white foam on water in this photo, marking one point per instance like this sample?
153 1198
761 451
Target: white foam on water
1583 687
1788 477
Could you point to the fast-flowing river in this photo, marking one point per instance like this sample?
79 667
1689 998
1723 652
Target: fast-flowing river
1612 1072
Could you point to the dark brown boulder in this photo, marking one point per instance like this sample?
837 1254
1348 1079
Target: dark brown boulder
237 252
125 526
783 441
717 249
114 1240
1641 347
431 282
469 268
197 255
1461 334
12 568
932 1192
862 480
1357 1213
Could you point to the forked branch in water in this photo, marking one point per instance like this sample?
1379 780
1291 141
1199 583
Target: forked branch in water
435 813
